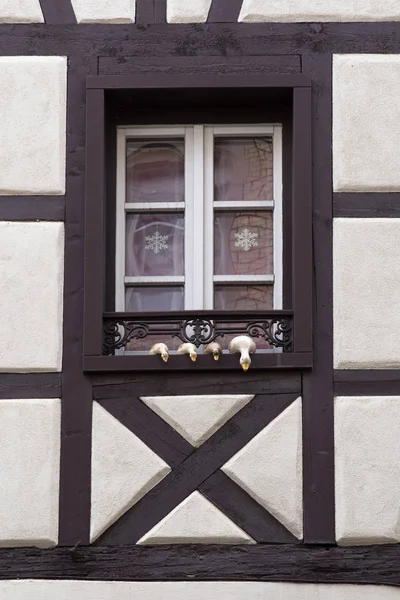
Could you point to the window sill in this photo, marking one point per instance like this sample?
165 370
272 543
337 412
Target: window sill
227 362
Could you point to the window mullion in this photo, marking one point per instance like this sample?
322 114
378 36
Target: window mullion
120 245
197 225
278 217
189 216
208 218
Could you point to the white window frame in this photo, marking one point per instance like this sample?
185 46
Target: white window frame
198 208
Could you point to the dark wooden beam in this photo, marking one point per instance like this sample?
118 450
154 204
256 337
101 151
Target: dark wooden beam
318 431
32 208
30 385
212 39
300 564
121 385
57 12
366 205
224 11
200 65
248 514
76 407
368 382
151 11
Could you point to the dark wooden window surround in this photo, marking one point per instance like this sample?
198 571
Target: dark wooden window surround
129 99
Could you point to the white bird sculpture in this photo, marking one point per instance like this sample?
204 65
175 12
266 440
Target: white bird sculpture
190 349
215 349
246 346
161 349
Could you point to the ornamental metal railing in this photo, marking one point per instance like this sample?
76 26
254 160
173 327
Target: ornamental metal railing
198 327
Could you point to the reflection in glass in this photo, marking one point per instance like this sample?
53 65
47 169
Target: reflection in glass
243 169
243 297
154 244
155 171
154 298
243 243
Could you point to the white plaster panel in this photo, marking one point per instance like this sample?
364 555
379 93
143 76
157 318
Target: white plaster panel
124 469
31 292
269 468
366 122
190 590
319 10
20 11
196 521
104 11
29 472
182 11
366 293
32 124
196 418
367 470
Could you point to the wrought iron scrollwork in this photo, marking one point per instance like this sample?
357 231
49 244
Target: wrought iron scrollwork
199 328
278 332
197 331
116 334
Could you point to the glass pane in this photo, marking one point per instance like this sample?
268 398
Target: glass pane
154 299
243 297
154 244
243 169
155 171
243 243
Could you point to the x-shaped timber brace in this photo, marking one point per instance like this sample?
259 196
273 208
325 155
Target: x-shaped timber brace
197 469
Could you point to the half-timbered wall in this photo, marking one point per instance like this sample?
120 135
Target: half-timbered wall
276 476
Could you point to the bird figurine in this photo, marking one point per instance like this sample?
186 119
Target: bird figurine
161 349
246 346
215 349
190 349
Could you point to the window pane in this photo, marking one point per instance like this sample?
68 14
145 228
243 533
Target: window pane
243 297
155 171
154 244
154 299
243 169
243 243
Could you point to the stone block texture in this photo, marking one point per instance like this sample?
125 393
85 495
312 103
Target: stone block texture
319 10
196 521
20 11
367 470
104 11
182 11
29 472
366 293
31 292
32 125
193 590
366 123
196 418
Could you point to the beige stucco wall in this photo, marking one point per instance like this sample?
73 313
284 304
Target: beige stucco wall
109 590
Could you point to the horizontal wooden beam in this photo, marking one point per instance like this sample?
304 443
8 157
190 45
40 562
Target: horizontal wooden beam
302 564
32 208
368 205
189 81
199 39
367 382
21 386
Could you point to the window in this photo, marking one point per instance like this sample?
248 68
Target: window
199 218
195 240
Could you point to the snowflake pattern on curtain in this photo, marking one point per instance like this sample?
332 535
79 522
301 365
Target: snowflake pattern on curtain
245 239
156 242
